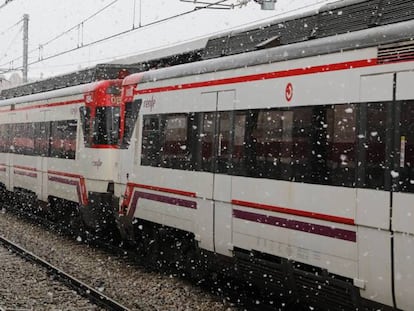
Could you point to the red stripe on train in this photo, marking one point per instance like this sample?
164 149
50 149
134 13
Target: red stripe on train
130 189
70 102
264 76
83 196
284 210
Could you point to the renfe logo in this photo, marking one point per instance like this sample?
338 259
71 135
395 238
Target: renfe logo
289 92
149 103
88 97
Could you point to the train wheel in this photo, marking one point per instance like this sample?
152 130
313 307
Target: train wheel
65 214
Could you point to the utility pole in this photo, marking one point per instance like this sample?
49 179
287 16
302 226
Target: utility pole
25 46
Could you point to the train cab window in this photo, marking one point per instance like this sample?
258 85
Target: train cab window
130 118
85 118
106 126
406 143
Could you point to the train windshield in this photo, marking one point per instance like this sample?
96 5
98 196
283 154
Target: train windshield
106 126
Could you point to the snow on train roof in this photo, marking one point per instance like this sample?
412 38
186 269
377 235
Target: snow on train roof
73 90
353 40
168 51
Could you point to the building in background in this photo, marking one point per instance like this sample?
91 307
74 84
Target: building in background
14 80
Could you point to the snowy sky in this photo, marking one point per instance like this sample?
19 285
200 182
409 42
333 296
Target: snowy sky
50 18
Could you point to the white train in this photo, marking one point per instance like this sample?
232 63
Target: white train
47 155
289 165
302 152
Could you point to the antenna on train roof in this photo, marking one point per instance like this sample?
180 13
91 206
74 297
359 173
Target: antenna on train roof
265 4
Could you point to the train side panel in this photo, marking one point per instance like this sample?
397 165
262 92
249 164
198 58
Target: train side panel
353 222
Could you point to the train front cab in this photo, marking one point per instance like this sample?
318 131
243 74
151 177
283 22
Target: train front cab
58 147
101 122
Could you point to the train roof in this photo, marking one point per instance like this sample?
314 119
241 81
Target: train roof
98 73
72 90
303 30
395 42
168 55
329 20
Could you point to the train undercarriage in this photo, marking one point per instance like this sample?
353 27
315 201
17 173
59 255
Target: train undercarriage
164 248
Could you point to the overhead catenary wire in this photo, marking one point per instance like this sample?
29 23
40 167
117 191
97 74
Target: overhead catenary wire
80 24
11 27
105 38
77 26
5 3
13 40
145 26
221 31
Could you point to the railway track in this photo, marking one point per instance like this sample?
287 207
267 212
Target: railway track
15 256
234 293
113 272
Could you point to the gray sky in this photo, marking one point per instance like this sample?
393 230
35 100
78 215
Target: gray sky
51 18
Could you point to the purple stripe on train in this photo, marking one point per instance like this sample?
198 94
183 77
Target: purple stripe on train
33 175
68 182
159 198
328 231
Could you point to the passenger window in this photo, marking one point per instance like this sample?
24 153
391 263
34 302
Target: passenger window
176 153
306 144
63 139
406 162
301 144
205 141
5 137
313 144
241 158
342 145
23 138
151 144
374 146
42 145
224 142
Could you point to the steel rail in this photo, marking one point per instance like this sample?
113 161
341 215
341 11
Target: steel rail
81 288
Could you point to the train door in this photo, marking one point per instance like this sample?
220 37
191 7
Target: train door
386 189
11 154
128 155
375 136
222 120
402 212
42 143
